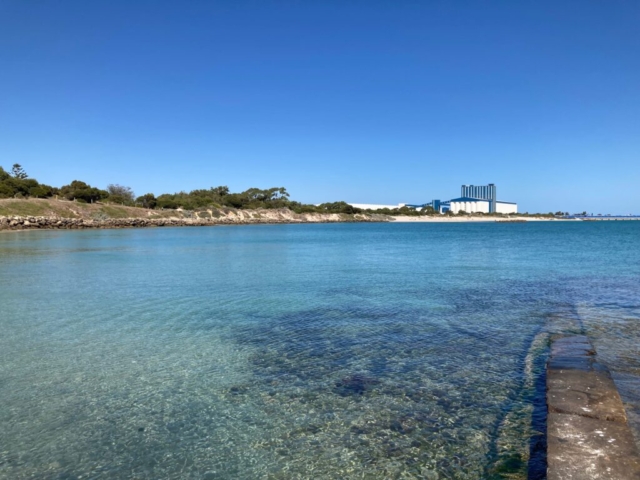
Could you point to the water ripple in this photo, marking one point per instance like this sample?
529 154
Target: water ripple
309 351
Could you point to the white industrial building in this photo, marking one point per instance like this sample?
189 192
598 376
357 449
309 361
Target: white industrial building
373 206
477 199
477 205
473 199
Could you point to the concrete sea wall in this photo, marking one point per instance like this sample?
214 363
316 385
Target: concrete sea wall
587 432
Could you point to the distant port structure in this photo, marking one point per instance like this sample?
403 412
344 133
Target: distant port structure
472 199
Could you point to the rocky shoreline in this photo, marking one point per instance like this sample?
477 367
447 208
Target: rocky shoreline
60 223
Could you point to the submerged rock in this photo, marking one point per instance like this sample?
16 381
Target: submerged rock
354 385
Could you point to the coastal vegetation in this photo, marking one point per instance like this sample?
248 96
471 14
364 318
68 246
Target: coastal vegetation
51 213
17 184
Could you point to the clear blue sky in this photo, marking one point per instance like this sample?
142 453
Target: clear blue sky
363 101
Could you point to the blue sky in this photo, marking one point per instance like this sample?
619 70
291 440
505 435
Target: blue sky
363 101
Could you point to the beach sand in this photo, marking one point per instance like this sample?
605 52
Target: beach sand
446 219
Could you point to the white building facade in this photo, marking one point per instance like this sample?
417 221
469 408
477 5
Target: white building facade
473 199
372 206
475 205
506 207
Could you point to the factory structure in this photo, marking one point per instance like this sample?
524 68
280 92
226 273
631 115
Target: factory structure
472 199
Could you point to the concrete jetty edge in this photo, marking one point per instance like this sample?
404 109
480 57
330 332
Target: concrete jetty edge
587 432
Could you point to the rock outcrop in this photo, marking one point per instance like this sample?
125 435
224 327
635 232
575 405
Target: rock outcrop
186 219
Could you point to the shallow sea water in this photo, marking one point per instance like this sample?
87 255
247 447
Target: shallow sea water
300 351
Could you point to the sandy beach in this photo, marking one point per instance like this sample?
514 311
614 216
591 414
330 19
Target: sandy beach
446 219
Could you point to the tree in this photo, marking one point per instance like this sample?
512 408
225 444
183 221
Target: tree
167 200
18 172
41 191
120 194
147 200
220 191
78 190
18 185
6 191
338 207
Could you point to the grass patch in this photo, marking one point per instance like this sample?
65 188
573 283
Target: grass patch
62 212
115 212
164 214
23 208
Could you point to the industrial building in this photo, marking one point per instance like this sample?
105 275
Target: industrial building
477 205
372 206
473 199
483 199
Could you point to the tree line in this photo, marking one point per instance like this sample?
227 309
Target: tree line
16 183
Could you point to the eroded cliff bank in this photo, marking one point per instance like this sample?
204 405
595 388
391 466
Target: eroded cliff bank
57 214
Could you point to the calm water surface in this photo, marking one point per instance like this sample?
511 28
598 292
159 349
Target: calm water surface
300 351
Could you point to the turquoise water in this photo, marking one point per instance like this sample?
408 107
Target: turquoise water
298 351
